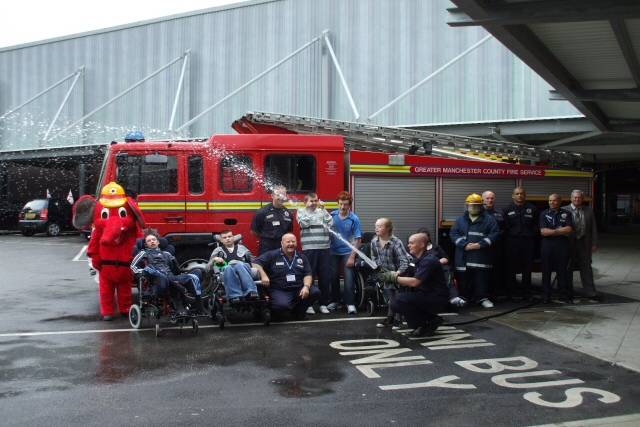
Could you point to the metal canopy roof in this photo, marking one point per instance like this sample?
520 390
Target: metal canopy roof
588 50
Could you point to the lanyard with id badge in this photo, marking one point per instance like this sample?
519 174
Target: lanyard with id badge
291 276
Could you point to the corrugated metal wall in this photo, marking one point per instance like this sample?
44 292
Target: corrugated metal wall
456 190
384 46
409 202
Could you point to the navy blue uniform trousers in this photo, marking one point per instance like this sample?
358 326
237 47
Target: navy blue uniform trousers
289 299
555 257
418 307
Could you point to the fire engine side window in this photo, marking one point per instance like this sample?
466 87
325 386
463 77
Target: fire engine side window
235 174
296 172
196 176
150 174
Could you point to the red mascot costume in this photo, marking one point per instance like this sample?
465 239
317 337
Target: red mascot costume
116 222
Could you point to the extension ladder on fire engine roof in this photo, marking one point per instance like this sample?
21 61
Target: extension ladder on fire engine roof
381 138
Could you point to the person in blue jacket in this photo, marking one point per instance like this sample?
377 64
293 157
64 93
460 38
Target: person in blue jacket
473 234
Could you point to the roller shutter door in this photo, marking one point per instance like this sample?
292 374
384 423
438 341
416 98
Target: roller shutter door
561 185
409 202
456 190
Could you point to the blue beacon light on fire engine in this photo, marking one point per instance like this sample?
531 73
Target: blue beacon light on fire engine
134 136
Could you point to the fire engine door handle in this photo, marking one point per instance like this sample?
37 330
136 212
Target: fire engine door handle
174 218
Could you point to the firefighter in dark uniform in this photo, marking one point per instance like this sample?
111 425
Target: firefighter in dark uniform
555 227
287 274
426 279
497 276
273 221
521 232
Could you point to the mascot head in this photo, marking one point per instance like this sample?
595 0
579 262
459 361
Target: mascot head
113 217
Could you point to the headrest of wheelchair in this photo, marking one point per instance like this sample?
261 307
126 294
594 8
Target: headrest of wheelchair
164 244
236 238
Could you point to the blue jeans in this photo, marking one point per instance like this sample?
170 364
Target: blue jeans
238 281
348 296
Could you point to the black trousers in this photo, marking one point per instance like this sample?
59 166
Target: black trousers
474 283
497 277
320 260
581 260
418 308
555 257
519 257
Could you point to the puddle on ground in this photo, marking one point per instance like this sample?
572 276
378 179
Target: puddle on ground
293 386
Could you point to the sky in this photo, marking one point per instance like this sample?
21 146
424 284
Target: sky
25 21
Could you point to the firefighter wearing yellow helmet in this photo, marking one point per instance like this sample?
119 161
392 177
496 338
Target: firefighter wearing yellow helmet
473 234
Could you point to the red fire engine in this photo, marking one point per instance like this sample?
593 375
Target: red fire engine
189 189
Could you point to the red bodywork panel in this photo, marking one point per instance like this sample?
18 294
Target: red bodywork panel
183 214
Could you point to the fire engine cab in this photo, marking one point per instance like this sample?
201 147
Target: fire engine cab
189 189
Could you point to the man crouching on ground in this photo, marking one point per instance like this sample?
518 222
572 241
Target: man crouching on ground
287 274
430 293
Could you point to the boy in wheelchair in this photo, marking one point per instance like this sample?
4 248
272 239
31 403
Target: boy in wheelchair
161 268
232 260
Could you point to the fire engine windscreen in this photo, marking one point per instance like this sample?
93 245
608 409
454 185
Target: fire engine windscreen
147 174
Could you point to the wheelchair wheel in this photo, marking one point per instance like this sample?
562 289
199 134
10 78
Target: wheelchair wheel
359 289
158 330
135 316
221 320
194 325
371 307
266 317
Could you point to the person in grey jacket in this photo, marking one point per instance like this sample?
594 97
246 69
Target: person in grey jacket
583 242
236 260
315 223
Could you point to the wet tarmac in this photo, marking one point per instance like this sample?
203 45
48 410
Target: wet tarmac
60 365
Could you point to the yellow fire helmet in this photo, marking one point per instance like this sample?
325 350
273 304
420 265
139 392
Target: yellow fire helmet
473 199
112 196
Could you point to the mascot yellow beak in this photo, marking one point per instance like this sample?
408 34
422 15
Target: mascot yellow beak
112 196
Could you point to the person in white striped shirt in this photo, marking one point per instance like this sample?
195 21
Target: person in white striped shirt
314 223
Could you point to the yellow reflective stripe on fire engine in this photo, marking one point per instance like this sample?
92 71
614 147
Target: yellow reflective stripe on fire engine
380 168
197 206
566 173
161 206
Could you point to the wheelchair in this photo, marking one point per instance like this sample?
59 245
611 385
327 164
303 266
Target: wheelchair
220 307
151 305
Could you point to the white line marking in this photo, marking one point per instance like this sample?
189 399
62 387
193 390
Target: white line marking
187 326
596 421
82 251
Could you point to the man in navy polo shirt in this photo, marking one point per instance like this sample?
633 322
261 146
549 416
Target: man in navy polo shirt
555 227
287 274
430 294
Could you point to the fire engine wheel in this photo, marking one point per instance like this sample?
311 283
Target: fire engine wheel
28 232
53 229
135 316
